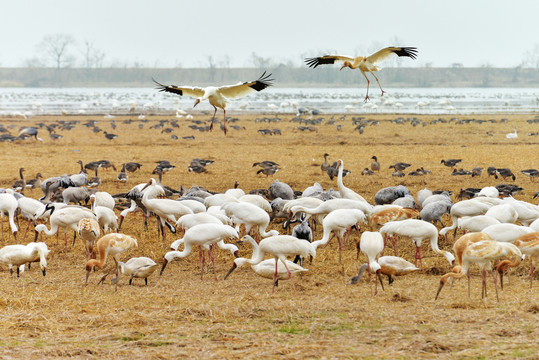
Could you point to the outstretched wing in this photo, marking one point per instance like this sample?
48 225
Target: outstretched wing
383 54
242 89
327 59
191 91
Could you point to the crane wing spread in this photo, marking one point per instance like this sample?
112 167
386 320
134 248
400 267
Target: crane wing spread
327 59
242 89
387 52
191 91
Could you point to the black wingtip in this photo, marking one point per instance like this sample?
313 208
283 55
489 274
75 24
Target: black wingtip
410 52
262 82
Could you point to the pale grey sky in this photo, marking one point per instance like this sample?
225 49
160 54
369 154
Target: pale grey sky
171 32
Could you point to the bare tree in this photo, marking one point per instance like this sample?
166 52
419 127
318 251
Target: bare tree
260 62
531 57
56 47
92 57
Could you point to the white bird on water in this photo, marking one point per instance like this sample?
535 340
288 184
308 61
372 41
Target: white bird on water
218 96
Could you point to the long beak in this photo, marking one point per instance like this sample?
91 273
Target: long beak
196 102
380 278
145 186
342 67
121 221
439 289
163 268
87 276
43 271
234 266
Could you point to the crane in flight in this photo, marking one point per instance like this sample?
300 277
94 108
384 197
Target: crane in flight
218 97
364 63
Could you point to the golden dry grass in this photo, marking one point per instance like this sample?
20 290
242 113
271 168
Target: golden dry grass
180 315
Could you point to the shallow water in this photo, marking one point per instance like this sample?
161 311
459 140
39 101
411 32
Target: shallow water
37 101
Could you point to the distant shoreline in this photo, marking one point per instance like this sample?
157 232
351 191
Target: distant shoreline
484 77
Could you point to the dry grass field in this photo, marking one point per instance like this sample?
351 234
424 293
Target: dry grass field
178 315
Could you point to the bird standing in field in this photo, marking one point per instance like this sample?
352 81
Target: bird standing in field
112 244
364 63
218 96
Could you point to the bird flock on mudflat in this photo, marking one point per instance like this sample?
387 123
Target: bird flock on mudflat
499 230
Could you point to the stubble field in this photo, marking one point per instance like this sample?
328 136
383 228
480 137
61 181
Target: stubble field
181 316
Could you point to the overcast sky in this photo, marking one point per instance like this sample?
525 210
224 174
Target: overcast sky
186 33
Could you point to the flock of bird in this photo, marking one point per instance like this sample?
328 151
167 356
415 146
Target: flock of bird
499 228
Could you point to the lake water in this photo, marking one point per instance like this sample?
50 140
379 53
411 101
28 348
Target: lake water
37 101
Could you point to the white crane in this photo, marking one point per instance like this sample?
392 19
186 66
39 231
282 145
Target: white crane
250 216
506 232
464 208
66 217
203 235
372 244
389 266
219 96
364 63
9 204
417 231
339 221
18 255
163 208
345 192
105 216
139 267
29 207
279 246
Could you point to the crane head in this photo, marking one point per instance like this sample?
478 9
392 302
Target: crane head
197 101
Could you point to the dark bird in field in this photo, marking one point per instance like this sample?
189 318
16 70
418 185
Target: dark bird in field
201 162
268 170
532 173
333 170
132 166
106 164
504 173
450 162
536 195
399 166
197 168
19 185
398 173
34 183
265 163
163 166
325 164
110 136
491 171
29 132
477 171
367 171
364 63
375 165
218 97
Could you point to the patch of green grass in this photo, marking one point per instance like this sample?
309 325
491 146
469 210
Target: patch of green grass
520 352
294 329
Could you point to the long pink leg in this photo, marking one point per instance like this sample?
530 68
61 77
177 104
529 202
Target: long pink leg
383 92
340 248
418 256
215 112
212 258
495 284
203 264
289 275
368 84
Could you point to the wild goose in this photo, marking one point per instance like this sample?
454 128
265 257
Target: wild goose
375 165
20 184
